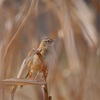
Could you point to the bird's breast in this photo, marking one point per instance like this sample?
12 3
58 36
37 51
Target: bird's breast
48 58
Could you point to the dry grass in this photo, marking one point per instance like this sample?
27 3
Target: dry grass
75 73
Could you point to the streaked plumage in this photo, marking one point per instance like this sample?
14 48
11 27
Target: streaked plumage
33 63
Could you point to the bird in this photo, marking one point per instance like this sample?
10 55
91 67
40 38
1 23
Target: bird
32 62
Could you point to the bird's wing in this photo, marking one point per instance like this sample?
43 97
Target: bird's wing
25 62
23 67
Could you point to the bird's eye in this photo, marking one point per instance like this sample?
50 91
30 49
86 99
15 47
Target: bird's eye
48 41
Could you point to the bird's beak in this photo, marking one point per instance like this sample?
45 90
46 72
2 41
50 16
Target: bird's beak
55 40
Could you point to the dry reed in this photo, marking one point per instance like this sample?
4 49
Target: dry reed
75 73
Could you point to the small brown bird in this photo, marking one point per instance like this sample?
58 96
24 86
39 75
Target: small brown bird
33 63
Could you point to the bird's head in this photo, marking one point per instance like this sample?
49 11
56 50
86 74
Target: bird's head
47 43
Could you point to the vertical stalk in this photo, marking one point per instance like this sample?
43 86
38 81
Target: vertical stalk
45 92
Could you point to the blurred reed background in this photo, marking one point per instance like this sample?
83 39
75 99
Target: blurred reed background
75 23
